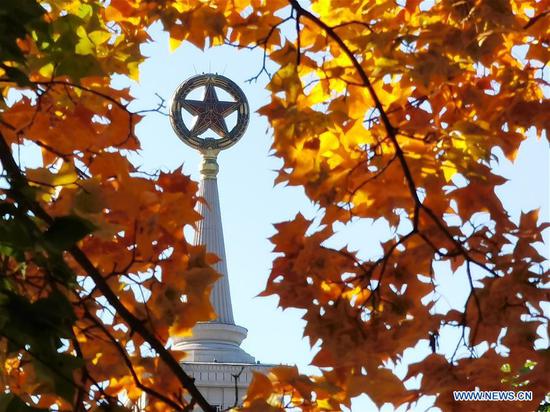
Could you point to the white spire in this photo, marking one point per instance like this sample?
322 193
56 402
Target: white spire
218 340
210 234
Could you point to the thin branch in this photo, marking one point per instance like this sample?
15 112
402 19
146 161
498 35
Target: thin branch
392 133
473 295
85 89
130 366
298 40
536 18
263 43
236 378
53 368
373 177
351 22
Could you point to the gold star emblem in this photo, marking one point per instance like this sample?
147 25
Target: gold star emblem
210 112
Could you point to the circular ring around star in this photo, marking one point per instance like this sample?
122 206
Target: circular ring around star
210 112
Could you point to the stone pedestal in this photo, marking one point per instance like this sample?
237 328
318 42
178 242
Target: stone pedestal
215 342
221 368
222 384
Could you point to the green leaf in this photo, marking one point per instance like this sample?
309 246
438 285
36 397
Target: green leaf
40 324
11 403
39 327
56 372
66 231
59 269
16 75
56 313
17 18
16 235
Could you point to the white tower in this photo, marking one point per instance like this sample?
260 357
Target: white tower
221 368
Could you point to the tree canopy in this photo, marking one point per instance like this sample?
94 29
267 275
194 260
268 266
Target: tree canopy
387 109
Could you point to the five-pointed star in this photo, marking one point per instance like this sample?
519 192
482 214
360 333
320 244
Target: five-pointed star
211 112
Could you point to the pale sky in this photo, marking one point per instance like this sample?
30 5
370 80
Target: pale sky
251 204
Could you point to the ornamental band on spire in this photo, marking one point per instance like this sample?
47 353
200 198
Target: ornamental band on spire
210 112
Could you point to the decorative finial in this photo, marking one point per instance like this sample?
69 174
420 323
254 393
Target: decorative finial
209 166
211 113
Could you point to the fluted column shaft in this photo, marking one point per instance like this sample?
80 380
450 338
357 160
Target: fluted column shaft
210 234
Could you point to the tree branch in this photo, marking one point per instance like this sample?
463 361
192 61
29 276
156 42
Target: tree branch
18 186
130 366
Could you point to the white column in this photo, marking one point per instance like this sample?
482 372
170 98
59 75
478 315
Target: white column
219 340
210 234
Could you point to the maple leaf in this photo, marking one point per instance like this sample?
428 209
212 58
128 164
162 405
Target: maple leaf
379 110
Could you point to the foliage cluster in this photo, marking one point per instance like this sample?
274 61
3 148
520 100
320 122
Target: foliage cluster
380 109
